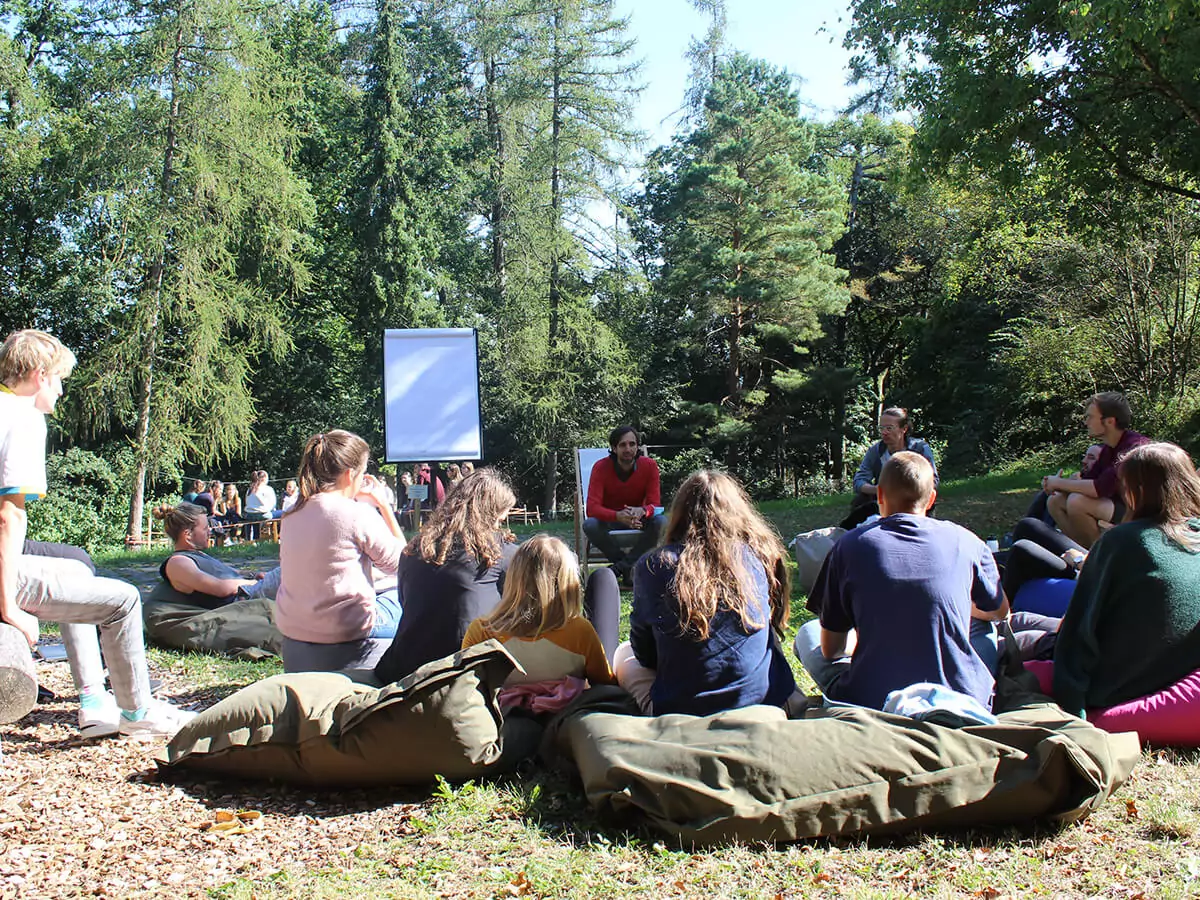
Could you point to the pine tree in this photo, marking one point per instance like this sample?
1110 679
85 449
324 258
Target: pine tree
745 226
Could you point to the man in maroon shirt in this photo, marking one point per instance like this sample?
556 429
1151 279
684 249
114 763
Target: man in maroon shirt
623 493
1080 505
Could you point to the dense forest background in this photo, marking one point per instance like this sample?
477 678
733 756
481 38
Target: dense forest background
221 205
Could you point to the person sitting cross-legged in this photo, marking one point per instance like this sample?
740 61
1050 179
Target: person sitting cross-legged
896 599
706 606
1082 506
624 491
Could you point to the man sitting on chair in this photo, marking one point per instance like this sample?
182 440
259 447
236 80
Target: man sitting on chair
623 494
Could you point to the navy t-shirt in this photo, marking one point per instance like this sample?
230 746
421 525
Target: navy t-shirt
730 669
906 583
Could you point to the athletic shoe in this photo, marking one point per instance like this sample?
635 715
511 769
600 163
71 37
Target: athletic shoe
162 720
102 720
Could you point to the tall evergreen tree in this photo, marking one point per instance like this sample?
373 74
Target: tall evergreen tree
745 226
190 203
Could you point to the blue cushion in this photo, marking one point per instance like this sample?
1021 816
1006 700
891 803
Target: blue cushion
1045 596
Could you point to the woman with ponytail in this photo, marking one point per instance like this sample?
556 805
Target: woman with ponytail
191 576
340 529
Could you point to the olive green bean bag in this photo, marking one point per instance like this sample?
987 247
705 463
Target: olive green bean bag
323 730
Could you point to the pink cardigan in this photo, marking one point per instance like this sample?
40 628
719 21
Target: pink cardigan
326 549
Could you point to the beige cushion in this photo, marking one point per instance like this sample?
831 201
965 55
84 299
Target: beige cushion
322 729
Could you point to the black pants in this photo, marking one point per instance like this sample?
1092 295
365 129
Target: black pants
59 551
602 607
1036 553
598 535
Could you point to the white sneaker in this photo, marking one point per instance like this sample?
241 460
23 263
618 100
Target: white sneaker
162 720
102 720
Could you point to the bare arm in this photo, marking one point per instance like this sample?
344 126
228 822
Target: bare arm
1085 486
998 614
835 644
185 576
12 541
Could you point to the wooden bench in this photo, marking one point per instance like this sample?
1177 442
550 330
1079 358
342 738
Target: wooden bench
524 515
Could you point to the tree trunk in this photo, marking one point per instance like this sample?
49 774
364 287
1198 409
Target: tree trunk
499 211
154 282
837 449
549 496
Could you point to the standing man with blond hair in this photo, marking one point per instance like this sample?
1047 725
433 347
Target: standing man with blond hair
33 365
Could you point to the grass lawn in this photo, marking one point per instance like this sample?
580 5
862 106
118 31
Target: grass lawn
93 818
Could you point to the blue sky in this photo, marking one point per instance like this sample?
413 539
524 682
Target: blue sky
802 36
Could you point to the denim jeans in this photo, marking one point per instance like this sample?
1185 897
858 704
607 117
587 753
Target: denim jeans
388 611
825 672
65 591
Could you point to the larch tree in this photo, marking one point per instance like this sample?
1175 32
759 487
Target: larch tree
188 200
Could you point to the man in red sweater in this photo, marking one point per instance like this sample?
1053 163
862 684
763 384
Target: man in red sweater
623 493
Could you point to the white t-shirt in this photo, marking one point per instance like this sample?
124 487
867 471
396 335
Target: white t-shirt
262 500
22 447
289 500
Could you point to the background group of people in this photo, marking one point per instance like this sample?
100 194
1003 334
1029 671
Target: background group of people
905 601
226 510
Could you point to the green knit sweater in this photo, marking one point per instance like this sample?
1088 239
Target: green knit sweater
1133 624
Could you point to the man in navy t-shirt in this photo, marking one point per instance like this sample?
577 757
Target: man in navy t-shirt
896 600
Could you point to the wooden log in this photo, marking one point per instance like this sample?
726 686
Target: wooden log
18 678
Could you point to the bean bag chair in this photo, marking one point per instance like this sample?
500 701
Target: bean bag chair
244 629
753 775
810 549
1045 596
320 729
1170 716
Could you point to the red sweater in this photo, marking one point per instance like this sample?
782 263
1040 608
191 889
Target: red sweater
607 494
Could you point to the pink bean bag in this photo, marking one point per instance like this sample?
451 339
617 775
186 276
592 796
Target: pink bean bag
1170 716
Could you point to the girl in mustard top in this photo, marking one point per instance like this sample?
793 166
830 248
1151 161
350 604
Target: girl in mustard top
540 620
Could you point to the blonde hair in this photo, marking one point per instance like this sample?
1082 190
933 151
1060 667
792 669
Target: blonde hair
468 520
714 520
326 457
541 590
24 352
178 519
907 481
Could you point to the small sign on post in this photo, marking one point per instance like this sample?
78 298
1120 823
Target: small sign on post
416 493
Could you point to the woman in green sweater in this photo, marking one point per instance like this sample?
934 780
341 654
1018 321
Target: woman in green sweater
1133 625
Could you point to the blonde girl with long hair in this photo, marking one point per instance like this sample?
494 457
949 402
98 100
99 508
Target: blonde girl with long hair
340 529
706 607
541 621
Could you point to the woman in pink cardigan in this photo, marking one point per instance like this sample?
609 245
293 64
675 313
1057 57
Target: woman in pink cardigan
339 531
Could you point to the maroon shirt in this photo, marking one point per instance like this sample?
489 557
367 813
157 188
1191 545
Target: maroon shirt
608 493
1104 474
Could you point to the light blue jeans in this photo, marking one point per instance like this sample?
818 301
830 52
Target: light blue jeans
66 591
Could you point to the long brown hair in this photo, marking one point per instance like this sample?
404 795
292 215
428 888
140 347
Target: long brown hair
468 519
1160 485
326 457
714 520
541 590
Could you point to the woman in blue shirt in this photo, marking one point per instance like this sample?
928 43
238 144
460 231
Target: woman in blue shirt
705 606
